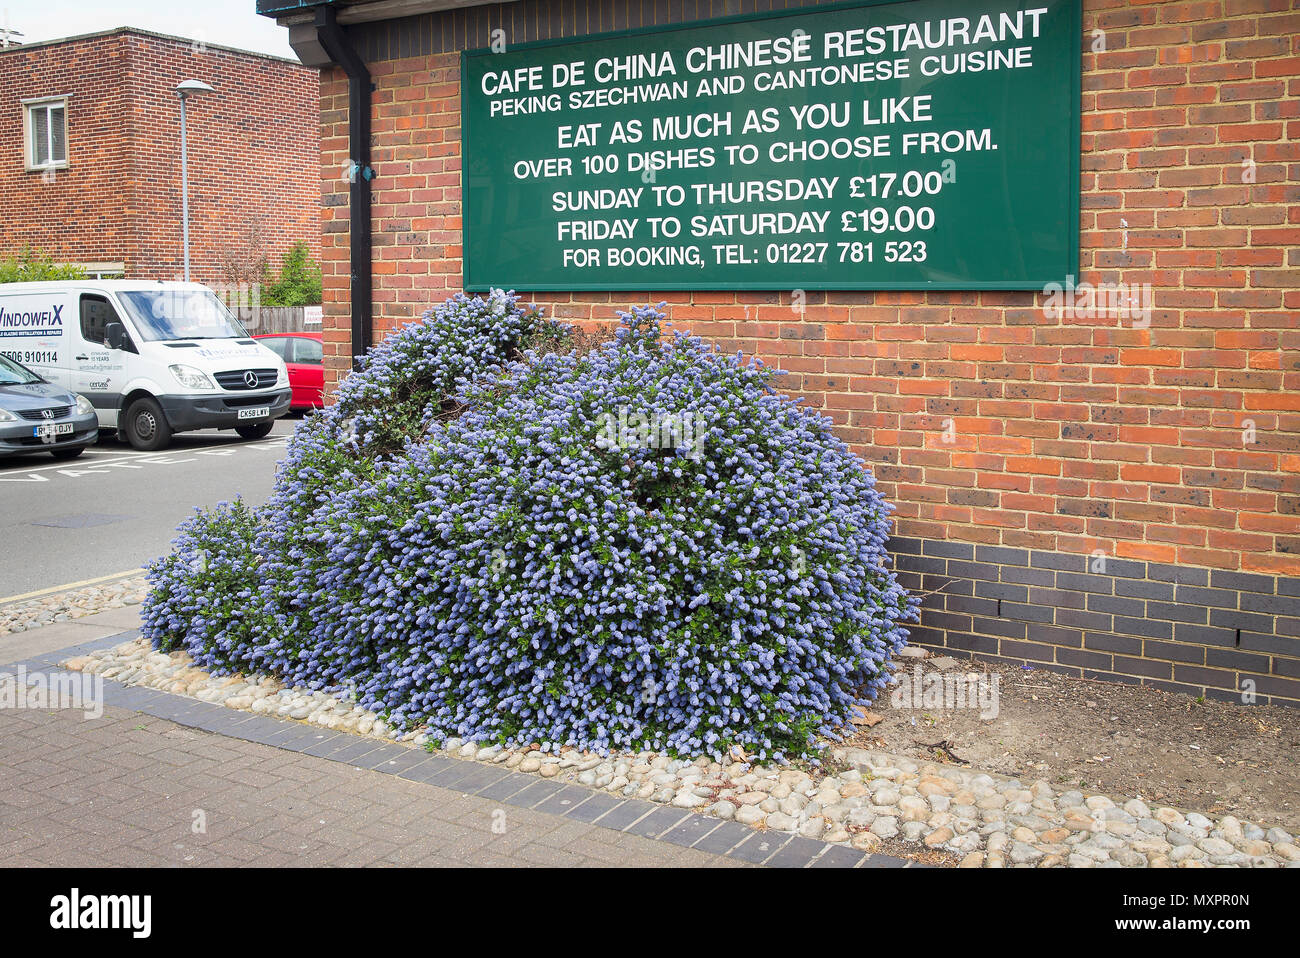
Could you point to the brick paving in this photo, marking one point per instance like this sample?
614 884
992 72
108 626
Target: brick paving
126 789
162 779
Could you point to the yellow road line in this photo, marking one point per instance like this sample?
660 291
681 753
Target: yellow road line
69 586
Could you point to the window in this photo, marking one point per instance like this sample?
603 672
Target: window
307 351
96 314
276 345
172 315
104 270
47 133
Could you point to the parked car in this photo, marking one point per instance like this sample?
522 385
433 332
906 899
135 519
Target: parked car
304 357
38 416
153 358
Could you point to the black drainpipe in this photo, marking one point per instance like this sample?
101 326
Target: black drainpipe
340 50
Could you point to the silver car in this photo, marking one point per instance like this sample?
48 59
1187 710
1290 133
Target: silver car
38 416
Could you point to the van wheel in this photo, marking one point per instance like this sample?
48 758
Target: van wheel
67 453
146 427
254 432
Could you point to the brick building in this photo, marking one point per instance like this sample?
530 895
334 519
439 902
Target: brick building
1104 498
90 154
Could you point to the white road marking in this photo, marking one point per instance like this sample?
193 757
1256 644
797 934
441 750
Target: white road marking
119 457
69 586
136 460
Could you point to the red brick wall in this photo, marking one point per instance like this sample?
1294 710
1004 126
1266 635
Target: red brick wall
1067 434
254 148
81 214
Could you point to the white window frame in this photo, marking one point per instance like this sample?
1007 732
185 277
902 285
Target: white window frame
29 106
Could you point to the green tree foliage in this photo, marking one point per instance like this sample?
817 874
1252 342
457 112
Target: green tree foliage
299 282
32 266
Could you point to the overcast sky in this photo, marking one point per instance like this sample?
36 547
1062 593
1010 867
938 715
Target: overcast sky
230 23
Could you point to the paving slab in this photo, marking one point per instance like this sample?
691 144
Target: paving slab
18 646
178 799
149 743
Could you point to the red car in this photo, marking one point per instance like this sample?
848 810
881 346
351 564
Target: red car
304 358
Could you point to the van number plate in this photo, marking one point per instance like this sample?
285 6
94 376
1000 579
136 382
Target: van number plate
51 429
254 412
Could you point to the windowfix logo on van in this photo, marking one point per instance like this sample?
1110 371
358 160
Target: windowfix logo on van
32 322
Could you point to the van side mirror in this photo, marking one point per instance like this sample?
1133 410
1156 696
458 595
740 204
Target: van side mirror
115 336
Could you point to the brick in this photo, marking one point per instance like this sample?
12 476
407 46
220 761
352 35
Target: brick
1125 568
1271 644
1184 575
972 605
1234 619
1028 651
1177 613
1145 589
1084 658
1143 667
1209 635
1055 635
1081 619
924 564
1270 604
1085 583
1001 590
900 544
1108 642
1043 577
1116 605
949 550
979 644
1177 652
1028 613
1010 628
1001 555
1057 598
1195 595
1232 659
1279 687
973 570
1241 581
1062 561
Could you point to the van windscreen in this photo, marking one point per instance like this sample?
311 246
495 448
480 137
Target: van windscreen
170 314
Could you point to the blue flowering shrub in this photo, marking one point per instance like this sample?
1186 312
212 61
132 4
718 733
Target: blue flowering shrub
644 546
206 595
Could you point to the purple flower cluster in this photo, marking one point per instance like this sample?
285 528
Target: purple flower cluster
464 547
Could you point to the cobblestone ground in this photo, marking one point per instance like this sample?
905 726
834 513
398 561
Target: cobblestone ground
131 789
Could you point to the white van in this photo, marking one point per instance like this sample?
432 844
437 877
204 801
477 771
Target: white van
154 358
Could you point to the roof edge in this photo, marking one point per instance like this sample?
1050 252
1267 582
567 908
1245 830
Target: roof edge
141 31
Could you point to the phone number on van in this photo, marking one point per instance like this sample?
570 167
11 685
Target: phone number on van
32 356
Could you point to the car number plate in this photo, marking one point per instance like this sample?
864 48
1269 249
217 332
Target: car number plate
255 412
51 429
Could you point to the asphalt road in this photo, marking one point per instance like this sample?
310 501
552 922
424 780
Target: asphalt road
112 509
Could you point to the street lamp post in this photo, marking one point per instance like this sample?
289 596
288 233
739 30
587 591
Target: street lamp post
184 89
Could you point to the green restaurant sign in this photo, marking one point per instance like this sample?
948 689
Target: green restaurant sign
922 144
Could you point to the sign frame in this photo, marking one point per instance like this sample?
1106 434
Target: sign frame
1074 147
